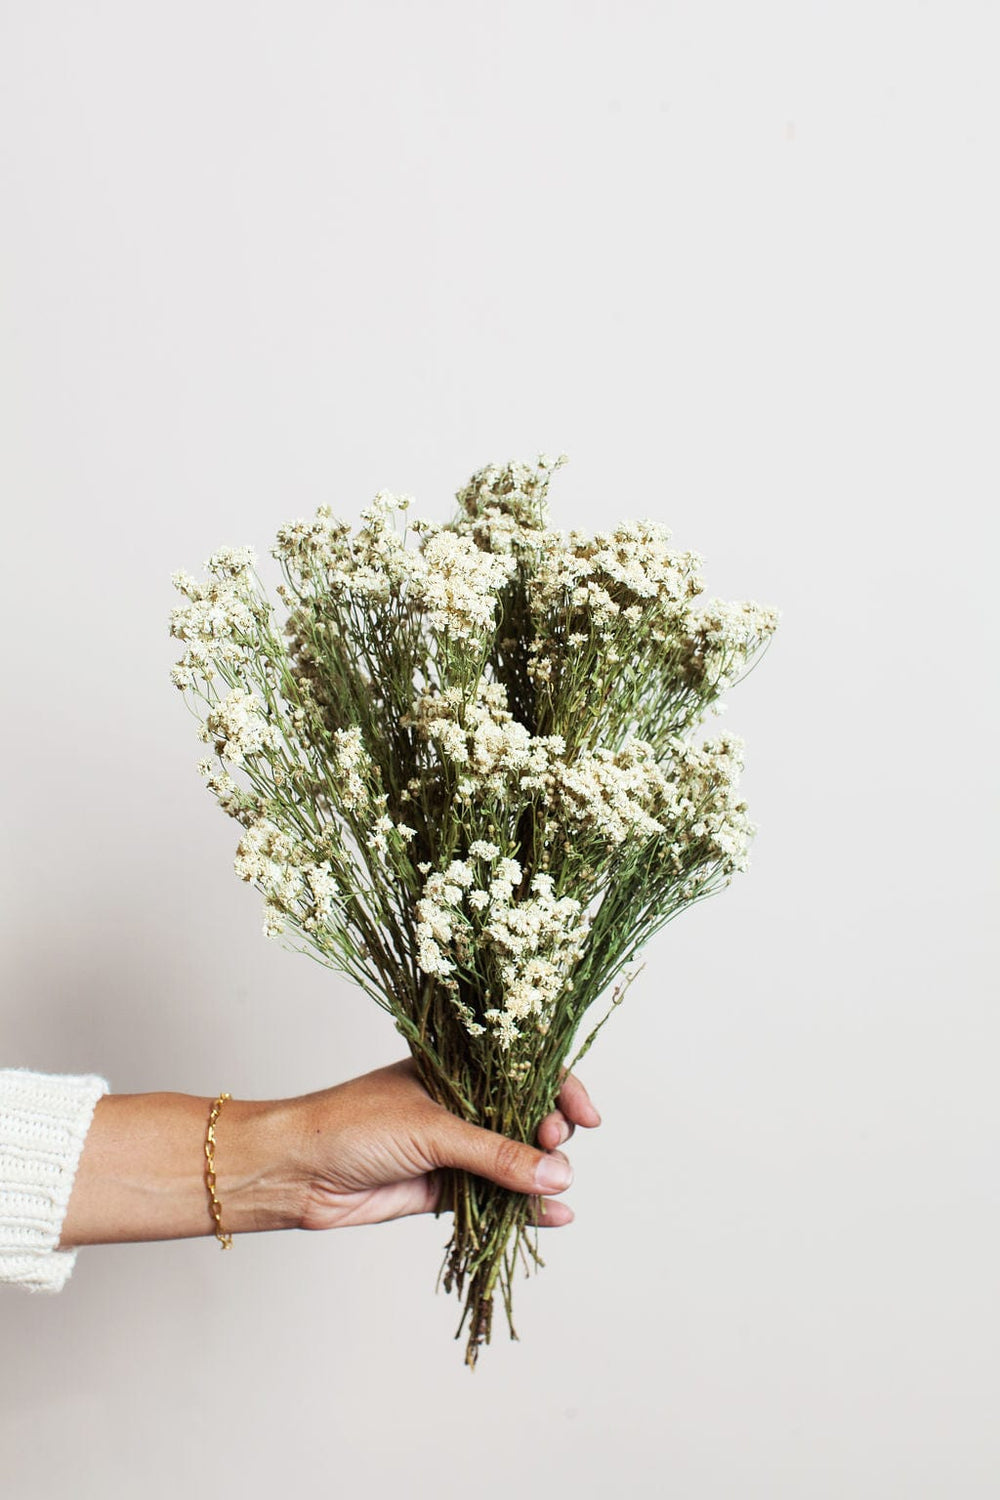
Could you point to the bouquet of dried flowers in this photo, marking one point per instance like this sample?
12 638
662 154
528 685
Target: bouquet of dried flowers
468 781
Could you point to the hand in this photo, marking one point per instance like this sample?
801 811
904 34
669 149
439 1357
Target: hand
372 1150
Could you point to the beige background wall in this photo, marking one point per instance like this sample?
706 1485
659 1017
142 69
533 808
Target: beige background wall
739 261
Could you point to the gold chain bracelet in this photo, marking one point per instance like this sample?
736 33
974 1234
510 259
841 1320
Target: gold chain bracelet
225 1240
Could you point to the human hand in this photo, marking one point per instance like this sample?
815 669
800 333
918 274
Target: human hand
373 1148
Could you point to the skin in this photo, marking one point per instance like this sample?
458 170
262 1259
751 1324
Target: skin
362 1152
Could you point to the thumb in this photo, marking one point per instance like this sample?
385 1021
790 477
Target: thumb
511 1164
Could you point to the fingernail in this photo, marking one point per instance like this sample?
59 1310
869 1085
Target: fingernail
553 1174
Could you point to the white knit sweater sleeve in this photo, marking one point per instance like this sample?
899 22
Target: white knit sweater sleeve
44 1119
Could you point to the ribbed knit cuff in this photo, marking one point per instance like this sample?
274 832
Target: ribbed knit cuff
44 1119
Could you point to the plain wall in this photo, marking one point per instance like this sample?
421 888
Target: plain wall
740 263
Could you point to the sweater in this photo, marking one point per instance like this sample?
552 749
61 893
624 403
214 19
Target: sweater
44 1120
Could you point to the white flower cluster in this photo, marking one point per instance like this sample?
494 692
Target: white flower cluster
722 635
352 771
715 816
453 579
495 752
612 792
469 915
219 616
292 884
537 943
239 727
240 804
612 573
350 768
458 584
379 562
369 564
441 924
504 506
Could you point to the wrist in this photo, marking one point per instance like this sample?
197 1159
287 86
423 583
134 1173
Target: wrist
141 1175
258 1178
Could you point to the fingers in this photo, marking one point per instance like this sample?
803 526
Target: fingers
511 1164
547 1213
574 1109
555 1130
551 1214
574 1102
427 1197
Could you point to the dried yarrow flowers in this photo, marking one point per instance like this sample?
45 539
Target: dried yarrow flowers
465 775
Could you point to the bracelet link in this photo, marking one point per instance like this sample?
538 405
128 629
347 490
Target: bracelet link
225 1240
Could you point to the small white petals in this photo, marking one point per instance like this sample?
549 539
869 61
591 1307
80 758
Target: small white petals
350 769
240 727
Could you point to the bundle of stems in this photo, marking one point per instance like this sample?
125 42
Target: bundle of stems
466 778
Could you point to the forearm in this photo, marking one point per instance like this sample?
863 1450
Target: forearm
141 1174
